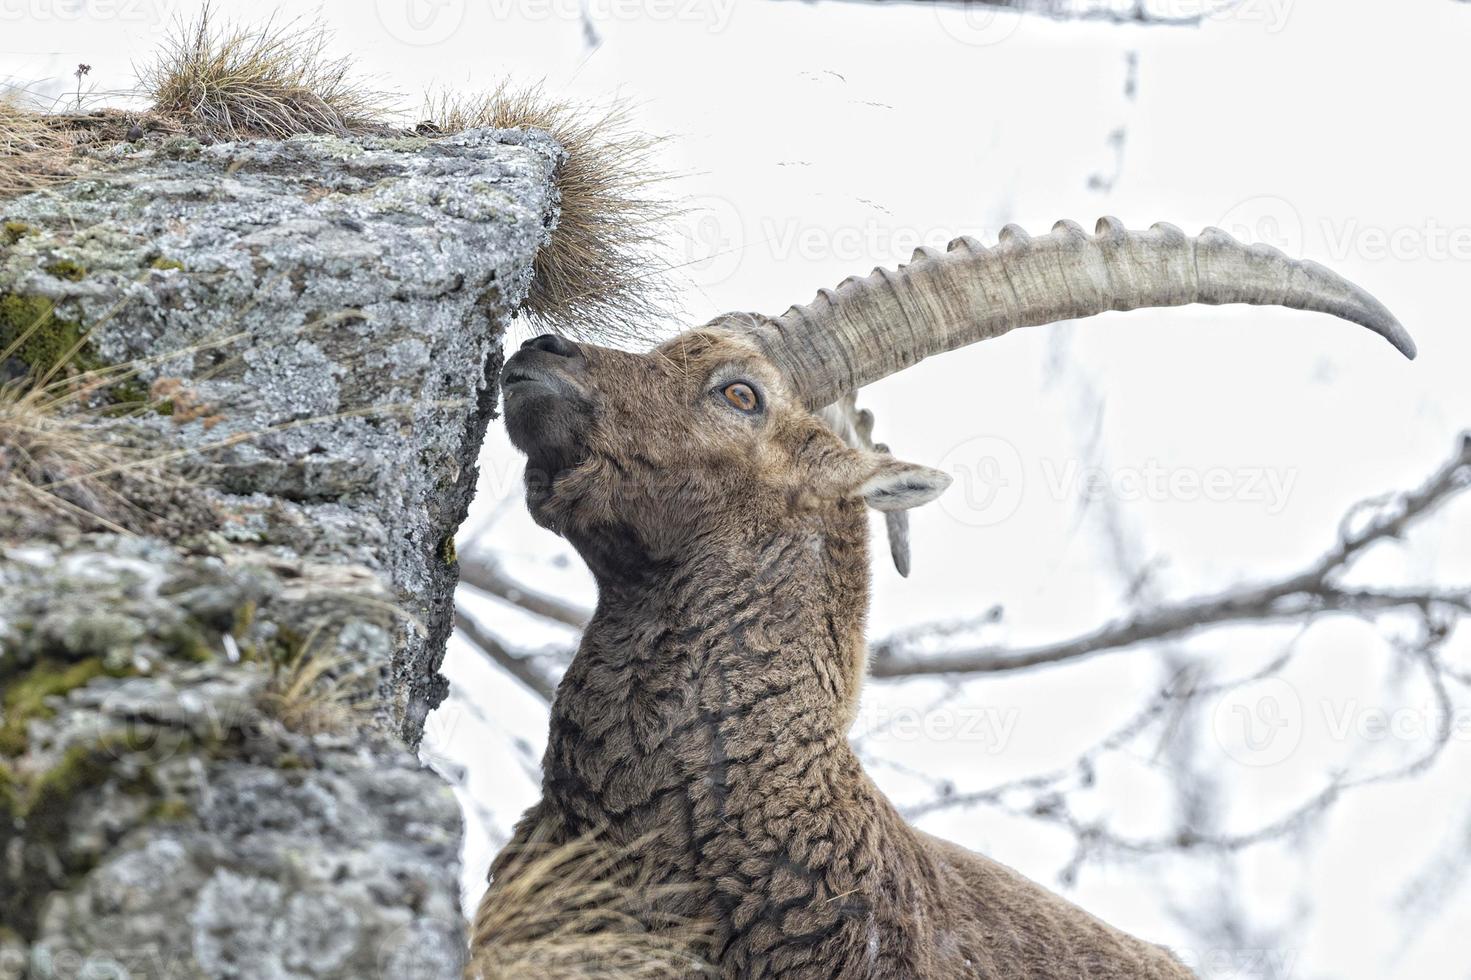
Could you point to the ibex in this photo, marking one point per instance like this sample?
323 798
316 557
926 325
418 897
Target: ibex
703 722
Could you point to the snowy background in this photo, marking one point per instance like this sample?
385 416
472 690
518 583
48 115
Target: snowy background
1103 466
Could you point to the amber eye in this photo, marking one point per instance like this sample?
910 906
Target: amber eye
742 396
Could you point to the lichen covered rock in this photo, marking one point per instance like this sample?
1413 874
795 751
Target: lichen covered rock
206 729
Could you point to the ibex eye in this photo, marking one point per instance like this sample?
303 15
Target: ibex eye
742 396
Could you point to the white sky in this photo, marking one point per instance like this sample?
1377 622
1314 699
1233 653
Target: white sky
821 139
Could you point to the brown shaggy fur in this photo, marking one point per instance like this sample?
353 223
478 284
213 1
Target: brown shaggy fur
601 274
703 723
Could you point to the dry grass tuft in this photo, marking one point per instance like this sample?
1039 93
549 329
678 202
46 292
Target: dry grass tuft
68 456
229 81
577 912
317 690
58 458
602 274
57 453
33 153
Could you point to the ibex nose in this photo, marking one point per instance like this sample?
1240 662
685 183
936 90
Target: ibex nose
552 344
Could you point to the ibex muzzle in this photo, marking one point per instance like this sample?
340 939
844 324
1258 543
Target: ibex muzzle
703 724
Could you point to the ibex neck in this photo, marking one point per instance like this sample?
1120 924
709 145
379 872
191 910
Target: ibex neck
703 725
723 661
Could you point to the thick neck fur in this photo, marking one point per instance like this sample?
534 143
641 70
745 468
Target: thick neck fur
705 720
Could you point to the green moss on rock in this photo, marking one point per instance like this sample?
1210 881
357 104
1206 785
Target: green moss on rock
50 795
9 800
49 340
244 619
26 694
130 392
67 269
164 264
189 641
38 825
172 810
13 231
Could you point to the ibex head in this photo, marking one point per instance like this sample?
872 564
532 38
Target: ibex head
704 437
637 457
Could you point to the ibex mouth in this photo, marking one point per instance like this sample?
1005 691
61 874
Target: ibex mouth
547 415
517 380
515 377
530 369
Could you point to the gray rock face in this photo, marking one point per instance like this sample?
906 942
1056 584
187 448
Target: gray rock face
206 764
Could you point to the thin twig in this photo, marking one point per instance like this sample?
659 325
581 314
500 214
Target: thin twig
486 575
1068 10
1308 593
517 666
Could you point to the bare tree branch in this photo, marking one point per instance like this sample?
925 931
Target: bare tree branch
1045 796
1096 10
1309 593
486 575
520 667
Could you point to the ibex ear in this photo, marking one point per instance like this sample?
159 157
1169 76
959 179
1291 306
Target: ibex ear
895 485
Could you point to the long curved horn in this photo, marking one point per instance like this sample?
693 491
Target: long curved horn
871 327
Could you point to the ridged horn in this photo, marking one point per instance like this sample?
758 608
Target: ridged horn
874 326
